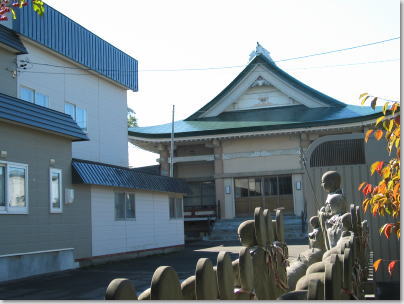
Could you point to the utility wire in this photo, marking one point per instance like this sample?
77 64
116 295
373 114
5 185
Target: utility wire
340 50
221 67
301 68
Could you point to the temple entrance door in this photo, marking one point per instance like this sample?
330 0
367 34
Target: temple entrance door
268 192
248 196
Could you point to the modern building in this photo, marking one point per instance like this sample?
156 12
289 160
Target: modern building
39 222
64 80
245 147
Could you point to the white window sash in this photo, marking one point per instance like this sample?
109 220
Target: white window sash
26 89
175 208
7 209
60 188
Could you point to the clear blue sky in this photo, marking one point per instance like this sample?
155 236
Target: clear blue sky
187 34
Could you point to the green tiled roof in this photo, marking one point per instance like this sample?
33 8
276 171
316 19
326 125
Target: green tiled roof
259 120
286 117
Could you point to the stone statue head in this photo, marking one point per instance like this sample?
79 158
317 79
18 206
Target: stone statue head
246 233
337 203
346 220
331 181
315 222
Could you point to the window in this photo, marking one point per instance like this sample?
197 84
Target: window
265 186
338 153
13 188
78 114
202 194
124 206
31 95
270 186
241 187
175 207
55 181
285 185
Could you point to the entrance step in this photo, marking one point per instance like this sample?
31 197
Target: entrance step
226 229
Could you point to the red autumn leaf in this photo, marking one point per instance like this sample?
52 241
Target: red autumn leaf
387 230
379 167
376 264
375 209
391 266
361 185
366 190
368 133
378 134
394 107
396 190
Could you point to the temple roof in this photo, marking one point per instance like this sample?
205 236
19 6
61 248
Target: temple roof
262 97
259 120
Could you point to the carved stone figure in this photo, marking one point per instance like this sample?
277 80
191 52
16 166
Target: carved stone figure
316 237
335 206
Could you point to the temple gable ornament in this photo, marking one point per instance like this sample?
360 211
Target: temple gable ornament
260 82
260 50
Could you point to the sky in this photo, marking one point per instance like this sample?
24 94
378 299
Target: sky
215 39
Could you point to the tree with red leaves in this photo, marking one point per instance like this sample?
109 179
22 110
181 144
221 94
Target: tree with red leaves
384 198
8 7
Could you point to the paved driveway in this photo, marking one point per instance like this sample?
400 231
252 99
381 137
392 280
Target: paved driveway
90 283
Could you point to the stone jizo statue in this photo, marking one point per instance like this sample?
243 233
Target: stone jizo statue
316 237
335 206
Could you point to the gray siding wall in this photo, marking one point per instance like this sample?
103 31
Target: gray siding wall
39 229
7 64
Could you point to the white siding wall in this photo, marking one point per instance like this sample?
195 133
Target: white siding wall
104 101
151 229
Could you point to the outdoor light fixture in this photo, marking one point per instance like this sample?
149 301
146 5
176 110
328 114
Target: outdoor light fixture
298 185
52 162
3 154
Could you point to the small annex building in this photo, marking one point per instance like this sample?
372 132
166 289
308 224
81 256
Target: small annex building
255 142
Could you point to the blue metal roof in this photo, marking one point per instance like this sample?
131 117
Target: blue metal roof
10 38
66 37
32 115
93 173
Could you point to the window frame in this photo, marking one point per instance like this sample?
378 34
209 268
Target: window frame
126 196
178 201
7 209
34 96
51 208
75 107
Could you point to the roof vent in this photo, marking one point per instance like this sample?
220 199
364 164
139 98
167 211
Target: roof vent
259 50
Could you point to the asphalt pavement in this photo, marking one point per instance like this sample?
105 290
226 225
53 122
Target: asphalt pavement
90 283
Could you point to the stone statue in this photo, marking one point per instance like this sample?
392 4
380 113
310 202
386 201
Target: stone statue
316 237
335 206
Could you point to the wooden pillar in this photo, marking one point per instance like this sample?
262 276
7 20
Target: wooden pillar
164 163
219 181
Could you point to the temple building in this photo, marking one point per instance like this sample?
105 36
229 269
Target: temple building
265 140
